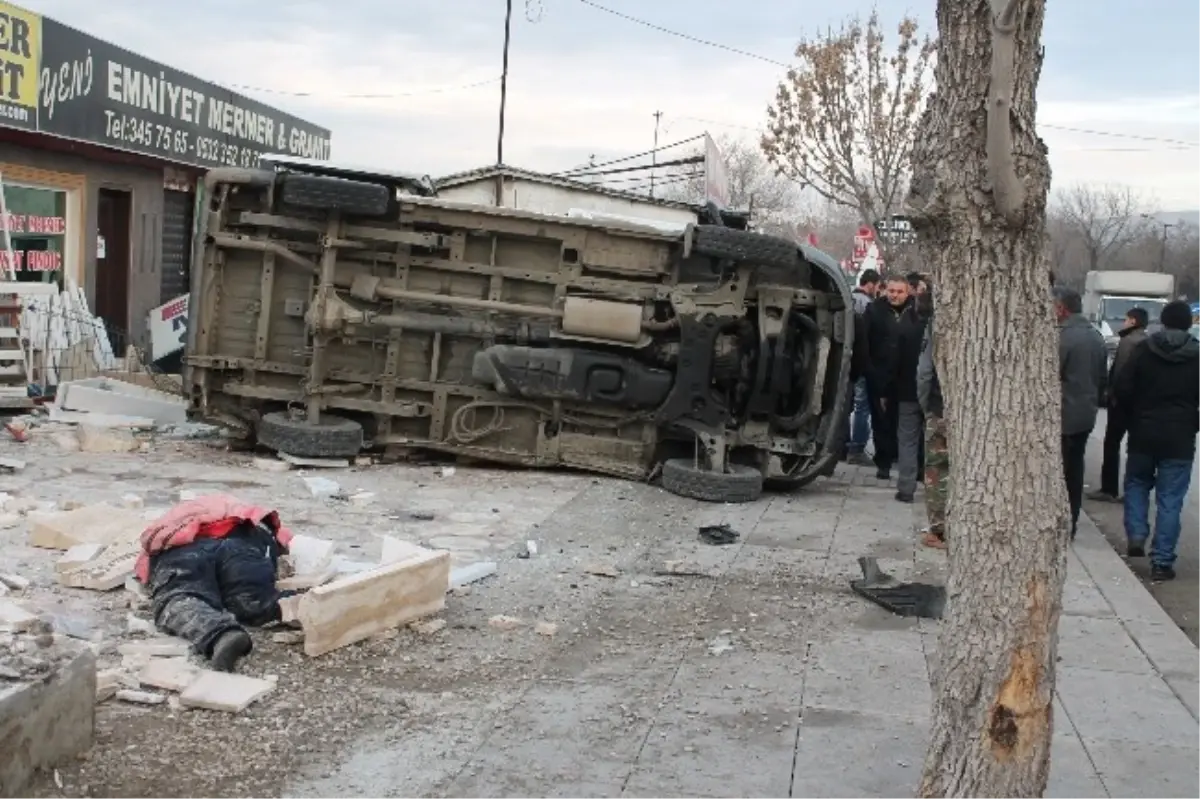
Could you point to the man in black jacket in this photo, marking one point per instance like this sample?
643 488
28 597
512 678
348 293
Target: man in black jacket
1158 392
883 328
910 428
1132 334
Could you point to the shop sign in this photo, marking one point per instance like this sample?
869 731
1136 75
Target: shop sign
32 260
168 327
20 59
60 81
36 225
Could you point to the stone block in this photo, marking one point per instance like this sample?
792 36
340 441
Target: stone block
47 723
107 440
356 607
93 524
169 674
232 693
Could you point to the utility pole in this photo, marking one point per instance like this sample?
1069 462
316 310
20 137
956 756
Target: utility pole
654 152
504 82
1162 253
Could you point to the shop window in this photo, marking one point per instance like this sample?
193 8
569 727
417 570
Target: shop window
37 225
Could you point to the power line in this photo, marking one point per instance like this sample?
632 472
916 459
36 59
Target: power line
584 170
757 57
696 159
688 37
382 96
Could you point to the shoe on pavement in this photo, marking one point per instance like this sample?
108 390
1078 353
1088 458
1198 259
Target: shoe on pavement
1103 496
904 497
1161 574
232 646
883 474
1135 549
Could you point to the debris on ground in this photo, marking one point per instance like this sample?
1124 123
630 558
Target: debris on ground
471 573
314 463
721 643
321 487
719 535
681 568
231 693
903 599
140 697
428 627
602 570
527 550
505 623
546 628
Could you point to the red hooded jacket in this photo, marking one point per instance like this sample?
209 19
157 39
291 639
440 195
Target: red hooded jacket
212 516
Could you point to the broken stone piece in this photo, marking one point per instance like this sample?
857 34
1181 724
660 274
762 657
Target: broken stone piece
106 439
140 697
168 674
546 628
272 465
15 618
14 582
428 626
602 570
108 682
164 647
288 637
505 623
231 693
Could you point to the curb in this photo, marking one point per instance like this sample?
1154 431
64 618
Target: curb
1166 646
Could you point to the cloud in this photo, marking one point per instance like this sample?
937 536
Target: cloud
585 83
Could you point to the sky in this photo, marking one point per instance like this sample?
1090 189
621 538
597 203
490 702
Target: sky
583 82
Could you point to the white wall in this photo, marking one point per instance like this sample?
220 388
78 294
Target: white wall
541 198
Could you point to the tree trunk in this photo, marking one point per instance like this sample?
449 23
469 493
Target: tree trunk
997 356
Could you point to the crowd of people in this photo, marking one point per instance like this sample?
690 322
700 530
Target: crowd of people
1150 390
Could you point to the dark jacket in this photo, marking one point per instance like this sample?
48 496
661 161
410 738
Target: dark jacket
862 300
1158 391
929 388
910 332
1083 373
1130 337
883 339
860 352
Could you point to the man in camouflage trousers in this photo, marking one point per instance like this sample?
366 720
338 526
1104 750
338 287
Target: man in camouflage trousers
937 452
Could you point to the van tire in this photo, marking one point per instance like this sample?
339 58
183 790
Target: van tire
326 193
741 484
726 243
331 437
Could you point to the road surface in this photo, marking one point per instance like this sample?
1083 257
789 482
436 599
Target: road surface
1180 598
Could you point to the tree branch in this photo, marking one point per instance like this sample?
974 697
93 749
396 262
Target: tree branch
1007 189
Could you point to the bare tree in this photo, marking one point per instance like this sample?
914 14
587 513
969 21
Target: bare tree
982 224
843 119
753 185
1105 218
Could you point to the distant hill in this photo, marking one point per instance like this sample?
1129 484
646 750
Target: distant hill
1191 218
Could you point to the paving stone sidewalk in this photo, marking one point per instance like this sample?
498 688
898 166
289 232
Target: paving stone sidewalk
773 679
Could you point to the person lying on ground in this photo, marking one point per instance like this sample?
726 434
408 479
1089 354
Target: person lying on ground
210 565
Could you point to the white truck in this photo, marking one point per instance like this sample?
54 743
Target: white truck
1108 296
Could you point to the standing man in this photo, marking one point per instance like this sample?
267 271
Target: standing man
937 448
883 327
1082 367
860 427
1132 334
910 420
1158 392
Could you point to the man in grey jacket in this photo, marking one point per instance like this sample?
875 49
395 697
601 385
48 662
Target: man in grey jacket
1082 372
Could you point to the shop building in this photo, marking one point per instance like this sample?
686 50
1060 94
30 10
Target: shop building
102 156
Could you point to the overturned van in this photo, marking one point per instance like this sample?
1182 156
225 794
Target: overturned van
334 311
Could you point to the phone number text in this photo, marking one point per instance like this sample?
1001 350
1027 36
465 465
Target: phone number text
176 143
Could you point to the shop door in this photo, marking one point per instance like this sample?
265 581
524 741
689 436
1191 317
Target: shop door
176 243
113 220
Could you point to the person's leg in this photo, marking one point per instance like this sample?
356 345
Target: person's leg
879 435
908 436
1074 450
887 445
1110 468
1139 480
860 432
185 595
1172 479
937 477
